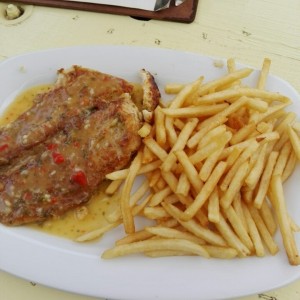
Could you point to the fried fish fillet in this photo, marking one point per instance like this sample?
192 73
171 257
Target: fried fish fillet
76 92
64 169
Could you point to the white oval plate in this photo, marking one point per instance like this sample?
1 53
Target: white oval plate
78 268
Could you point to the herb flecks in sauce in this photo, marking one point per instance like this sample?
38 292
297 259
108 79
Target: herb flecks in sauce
74 223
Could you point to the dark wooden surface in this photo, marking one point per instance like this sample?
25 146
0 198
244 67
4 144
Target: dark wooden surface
184 13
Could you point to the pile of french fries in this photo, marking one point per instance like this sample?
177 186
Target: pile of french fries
214 162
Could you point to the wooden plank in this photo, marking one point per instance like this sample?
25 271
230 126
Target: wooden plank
184 13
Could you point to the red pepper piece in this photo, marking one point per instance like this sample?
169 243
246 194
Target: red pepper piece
76 144
85 101
27 196
53 200
3 147
58 158
51 146
79 177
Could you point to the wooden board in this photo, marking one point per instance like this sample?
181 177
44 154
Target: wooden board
184 13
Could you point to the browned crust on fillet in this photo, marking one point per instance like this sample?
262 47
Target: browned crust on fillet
76 91
59 151
151 92
105 141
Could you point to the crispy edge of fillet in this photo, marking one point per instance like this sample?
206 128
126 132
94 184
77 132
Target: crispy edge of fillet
151 95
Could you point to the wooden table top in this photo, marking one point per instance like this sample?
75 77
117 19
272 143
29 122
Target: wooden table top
245 30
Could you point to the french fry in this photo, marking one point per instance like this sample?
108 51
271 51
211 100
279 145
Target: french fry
178 123
173 88
247 194
184 135
164 253
91 235
237 205
278 202
154 213
155 148
268 217
295 140
145 130
290 166
134 237
185 93
206 190
189 170
263 230
172 199
216 132
220 252
160 184
236 93
173 233
153 177
243 133
127 216
231 65
256 171
235 185
264 74
160 130
231 238
257 104
267 137
213 251
233 107
202 130
122 174
264 127
201 217
277 145
265 180
214 207
289 118
194 112
139 193
232 157
209 164
170 130
184 185
227 79
157 244
115 215
137 209
171 222
210 148
195 228
271 112
171 180
296 126
237 148
160 196
242 159
282 159
148 156
294 226
113 186
238 227
253 232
